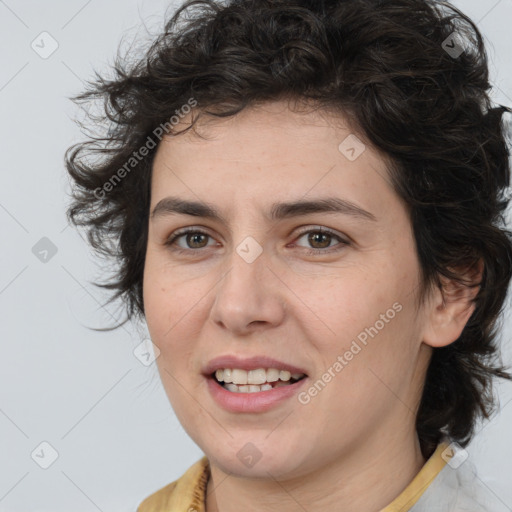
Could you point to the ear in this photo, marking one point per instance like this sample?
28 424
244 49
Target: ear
449 308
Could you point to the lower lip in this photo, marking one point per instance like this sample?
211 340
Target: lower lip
260 401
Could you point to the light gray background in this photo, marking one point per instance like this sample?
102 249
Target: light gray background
84 392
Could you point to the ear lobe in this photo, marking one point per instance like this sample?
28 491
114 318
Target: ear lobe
450 309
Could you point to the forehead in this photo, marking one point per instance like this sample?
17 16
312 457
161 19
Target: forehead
271 152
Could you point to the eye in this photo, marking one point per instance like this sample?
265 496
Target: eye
321 238
192 238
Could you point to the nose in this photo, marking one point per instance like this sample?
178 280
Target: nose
248 297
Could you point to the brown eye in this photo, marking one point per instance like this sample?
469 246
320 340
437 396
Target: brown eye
319 240
196 240
189 240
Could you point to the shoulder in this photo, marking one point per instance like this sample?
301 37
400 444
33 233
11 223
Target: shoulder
159 500
458 489
185 493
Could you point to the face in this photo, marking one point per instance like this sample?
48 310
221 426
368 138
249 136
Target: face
306 257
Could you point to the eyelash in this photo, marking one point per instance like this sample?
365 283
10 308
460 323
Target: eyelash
310 252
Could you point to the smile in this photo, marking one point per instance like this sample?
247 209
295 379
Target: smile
254 381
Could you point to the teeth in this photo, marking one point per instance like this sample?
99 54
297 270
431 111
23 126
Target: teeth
257 376
228 375
273 375
254 377
285 375
247 389
239 376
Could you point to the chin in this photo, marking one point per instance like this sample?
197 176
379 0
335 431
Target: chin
259 458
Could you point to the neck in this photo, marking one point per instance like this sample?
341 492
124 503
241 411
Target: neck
364 480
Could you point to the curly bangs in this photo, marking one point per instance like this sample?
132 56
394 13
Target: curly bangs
412 75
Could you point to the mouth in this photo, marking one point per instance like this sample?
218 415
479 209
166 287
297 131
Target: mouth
258 380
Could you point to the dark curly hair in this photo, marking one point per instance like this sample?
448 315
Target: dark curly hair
412 75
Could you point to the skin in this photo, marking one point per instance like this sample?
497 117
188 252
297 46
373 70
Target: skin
353 447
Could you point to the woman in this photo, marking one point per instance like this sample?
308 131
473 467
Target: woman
308 198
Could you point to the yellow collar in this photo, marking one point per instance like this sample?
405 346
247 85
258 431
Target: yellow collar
412 493
189 491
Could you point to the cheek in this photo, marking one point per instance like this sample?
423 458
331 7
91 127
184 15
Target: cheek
166 300
342 306
367 318
163 309
175 313
157 308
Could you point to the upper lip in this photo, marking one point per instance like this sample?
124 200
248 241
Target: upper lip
251 363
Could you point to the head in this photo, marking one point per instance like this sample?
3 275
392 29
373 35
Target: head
250 104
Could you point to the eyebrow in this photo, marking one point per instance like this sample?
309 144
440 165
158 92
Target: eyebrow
174 205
